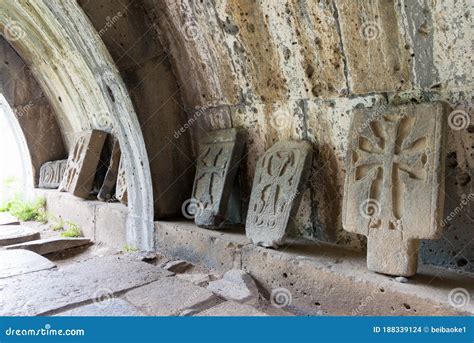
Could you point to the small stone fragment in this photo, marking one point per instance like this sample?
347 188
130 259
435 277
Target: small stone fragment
236 285
178 266
401 279
198 279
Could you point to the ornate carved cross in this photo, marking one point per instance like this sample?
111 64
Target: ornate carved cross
394 182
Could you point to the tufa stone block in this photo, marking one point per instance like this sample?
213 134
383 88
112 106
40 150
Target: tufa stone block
394 184
279 181
82 163
219 158
51 174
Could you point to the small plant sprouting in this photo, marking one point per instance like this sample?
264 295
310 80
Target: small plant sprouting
26 210
128 248
73 230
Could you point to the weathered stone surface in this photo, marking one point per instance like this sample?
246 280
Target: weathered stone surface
121 192
231 309
279 180
14 234
7 219
395 183
236 285
170 297
219 157
19 262
82 163
50 245
198 279
51 174
110 181
97 278
374 46
113 307
178 266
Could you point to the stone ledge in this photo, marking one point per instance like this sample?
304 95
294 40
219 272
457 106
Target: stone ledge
321 279
99 221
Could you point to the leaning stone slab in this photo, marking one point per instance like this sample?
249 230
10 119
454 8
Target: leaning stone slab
15 234
47 292
236 285
51 174
50 245
82 163
113 307
121 191
219 158
279 180
394 184
231 309
19 262
110 181
171 297
8 219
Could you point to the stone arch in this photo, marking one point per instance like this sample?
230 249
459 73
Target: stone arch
78 76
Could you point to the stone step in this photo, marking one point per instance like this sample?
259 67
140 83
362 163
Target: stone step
114 307
50 245
8 219
15 234
17 262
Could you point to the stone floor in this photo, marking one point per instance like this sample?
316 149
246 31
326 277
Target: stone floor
94 280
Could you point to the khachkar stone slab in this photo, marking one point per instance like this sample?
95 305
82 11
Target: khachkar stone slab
18 262
278 184
394 184
121 192
82 163
108 187
51 174
15 234
219 157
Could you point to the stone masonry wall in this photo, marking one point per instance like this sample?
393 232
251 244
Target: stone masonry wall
291 69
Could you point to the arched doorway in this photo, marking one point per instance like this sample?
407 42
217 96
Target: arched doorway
80 80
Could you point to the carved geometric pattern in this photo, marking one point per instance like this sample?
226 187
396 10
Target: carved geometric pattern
82 163
279 180
219 158
394 177
51 174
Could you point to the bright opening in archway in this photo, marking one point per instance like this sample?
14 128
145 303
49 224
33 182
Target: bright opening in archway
15 163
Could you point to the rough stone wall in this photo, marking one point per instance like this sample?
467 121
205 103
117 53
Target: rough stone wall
32 109
145 68
292 69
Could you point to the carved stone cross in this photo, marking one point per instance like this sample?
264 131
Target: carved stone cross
279 180
394 182
219 157
82 163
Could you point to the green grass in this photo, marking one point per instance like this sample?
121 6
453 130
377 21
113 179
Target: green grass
128 248
73 230
26 210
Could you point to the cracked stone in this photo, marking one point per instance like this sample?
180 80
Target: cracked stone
236 285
